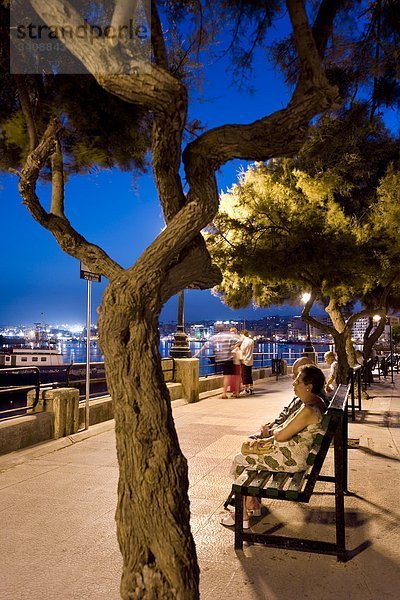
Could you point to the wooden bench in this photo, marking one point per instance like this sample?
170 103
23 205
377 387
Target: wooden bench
299 487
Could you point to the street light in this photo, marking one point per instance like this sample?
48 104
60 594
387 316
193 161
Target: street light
180 347
308 347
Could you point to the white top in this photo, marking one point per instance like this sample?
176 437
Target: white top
247 348
333 371
332 377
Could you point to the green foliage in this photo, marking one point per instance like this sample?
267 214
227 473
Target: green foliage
15 136
324 221
350 152
362 58
387 210
100 129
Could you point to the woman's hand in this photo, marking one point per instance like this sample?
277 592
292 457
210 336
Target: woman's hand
265 430
254 443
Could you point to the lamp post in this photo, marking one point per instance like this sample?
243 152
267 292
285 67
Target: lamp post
308 347
180 347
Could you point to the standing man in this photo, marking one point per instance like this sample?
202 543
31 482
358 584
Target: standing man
247 350
223 343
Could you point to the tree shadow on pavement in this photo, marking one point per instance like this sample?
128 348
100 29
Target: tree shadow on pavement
371 452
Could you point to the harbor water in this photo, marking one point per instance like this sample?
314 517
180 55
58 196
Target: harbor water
76 351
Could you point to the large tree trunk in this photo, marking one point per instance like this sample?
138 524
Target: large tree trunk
159 556
343 361
350 350
343 344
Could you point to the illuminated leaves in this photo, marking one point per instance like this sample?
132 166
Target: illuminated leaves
282 229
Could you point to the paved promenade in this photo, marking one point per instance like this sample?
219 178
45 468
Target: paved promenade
57 503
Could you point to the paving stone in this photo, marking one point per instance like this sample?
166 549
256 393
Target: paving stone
57 506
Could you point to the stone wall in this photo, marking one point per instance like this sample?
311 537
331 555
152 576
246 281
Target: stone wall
59 412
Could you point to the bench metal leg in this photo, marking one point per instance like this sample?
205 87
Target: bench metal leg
339 453
353 403
238 521
345 445
228 501
359 390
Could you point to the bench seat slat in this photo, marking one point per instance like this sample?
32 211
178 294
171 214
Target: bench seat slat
276 485
244 480
296 484
259 482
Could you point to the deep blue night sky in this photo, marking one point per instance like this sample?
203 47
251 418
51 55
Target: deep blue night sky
121 215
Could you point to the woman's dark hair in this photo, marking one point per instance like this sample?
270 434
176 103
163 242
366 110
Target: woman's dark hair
314 375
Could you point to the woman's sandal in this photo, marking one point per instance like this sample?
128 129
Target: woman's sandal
229 521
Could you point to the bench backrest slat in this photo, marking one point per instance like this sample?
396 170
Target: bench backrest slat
299 485
315 448
336 411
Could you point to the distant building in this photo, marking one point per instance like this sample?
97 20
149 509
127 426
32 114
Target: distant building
296 329
201 331
359 328
318 333
167 328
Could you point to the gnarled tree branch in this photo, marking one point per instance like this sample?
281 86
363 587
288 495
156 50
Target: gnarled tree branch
57 181
307 318
68 238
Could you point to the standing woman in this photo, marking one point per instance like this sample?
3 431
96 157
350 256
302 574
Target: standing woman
247 350
235 380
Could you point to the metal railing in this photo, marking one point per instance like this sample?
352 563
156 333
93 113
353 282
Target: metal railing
209 366
75 376
291 356
263 359
16 382
13 396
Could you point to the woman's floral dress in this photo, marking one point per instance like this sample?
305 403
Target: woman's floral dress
289 456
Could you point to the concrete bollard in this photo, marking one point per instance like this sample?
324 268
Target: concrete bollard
187 373
64 404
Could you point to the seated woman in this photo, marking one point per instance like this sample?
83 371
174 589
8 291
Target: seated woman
287 449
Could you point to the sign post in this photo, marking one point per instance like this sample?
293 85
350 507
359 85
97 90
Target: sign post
90 276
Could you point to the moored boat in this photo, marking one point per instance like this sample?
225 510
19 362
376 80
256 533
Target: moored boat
31 357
